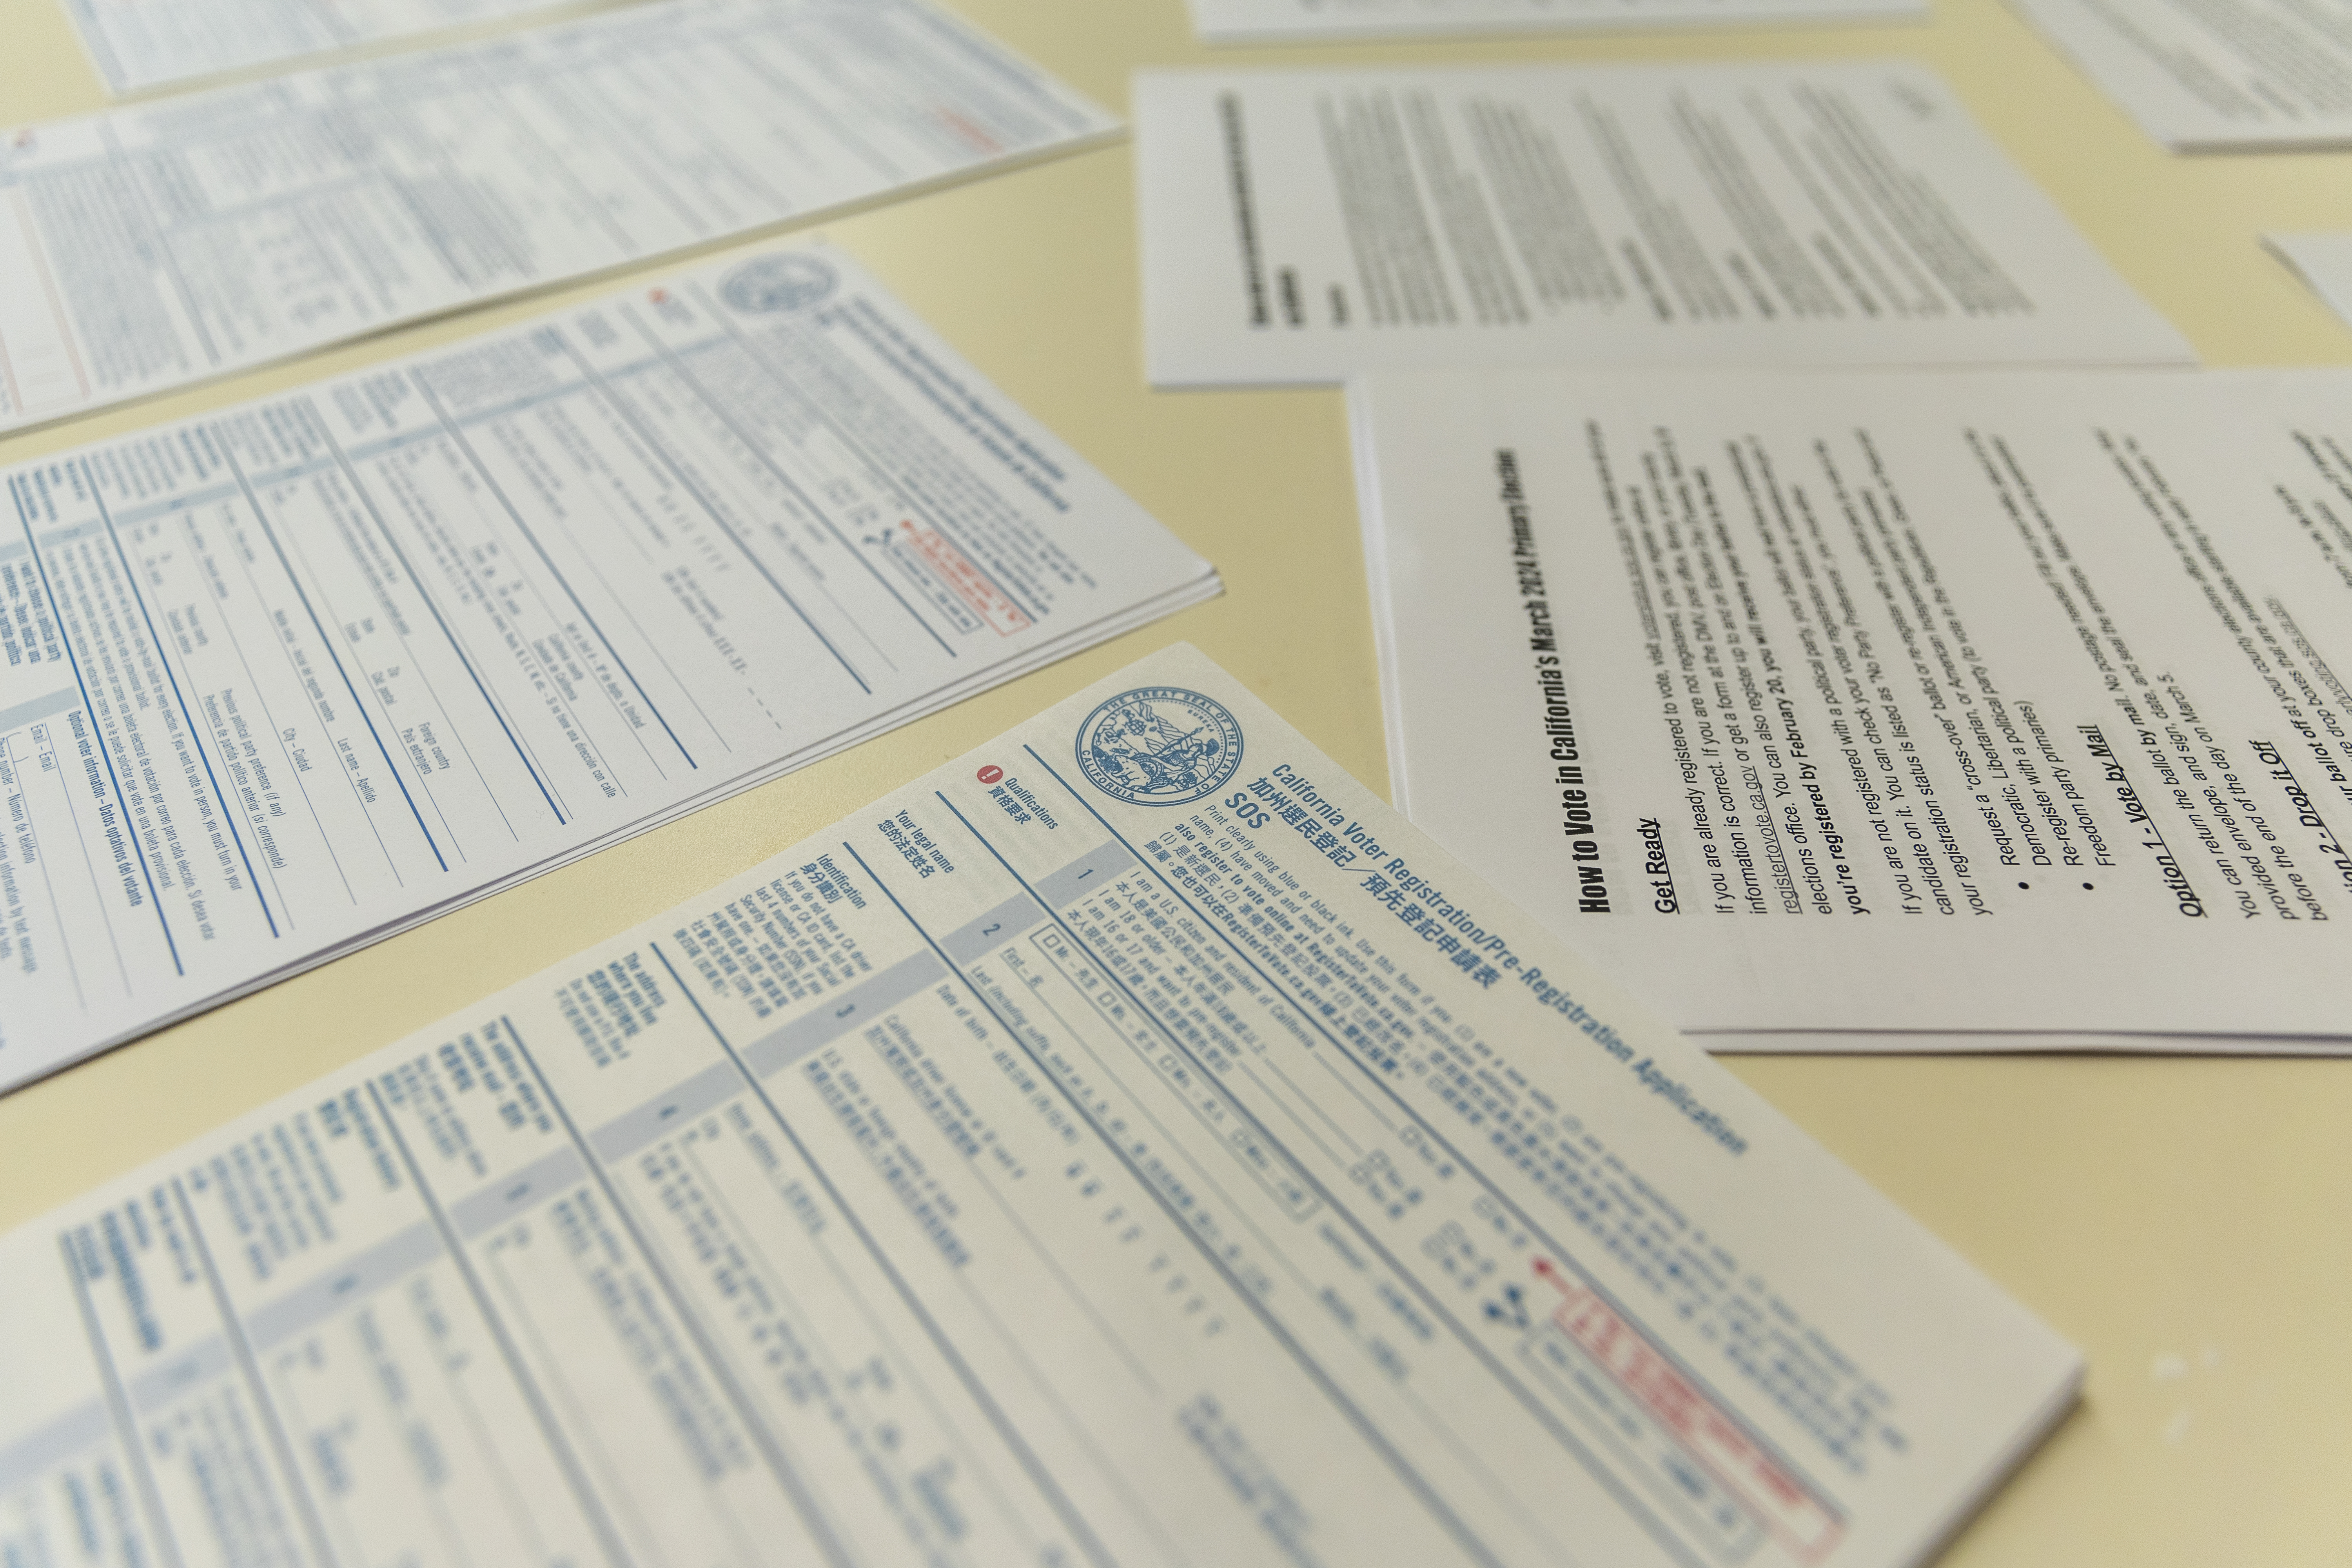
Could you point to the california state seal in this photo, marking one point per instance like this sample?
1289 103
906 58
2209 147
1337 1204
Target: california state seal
771 284
1160 745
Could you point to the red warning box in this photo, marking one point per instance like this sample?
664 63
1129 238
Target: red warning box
966 580
1711 1436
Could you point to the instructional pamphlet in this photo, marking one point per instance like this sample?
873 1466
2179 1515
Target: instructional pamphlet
2324 261
1303 21
1300 226
1891 709
2199 75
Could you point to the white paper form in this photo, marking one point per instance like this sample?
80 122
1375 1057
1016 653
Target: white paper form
141 44
1303 21
281 680
1908 705
151 247
1300 226
1085 1155
2213 75
2324 261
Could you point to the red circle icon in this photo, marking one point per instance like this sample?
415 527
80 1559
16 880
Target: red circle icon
990 774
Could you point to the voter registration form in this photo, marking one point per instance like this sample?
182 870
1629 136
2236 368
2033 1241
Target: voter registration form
279 681
1904 706
150 246
1131 1143
1277 21
141 44
1299 226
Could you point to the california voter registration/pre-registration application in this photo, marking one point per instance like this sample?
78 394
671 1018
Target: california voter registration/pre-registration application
1133 1143
279 681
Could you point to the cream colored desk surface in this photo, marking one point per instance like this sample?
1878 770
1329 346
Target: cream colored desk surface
2187 1223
